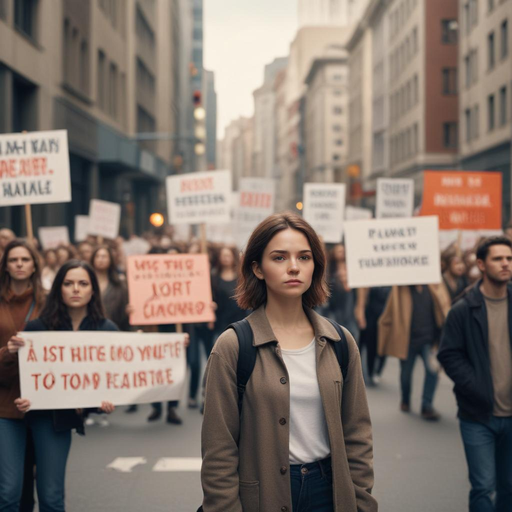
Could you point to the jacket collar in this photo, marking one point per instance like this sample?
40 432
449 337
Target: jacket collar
263 331
475 297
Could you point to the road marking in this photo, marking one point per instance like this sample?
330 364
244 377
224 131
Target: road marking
126 464
172 464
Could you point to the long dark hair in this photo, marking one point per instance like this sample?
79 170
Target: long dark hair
113 275
55 313
35 279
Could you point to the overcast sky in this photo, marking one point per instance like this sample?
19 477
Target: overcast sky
240 37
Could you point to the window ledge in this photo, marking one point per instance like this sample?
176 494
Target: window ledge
76 93
28 37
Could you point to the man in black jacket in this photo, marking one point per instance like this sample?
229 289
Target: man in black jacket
476 354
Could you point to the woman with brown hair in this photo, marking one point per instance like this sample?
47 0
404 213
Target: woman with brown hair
302 438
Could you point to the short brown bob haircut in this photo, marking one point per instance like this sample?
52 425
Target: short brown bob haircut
251 292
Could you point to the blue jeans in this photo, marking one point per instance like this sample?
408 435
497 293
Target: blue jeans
312 487
488 448
51 453
407 367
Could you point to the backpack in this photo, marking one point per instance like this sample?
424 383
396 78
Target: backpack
247 355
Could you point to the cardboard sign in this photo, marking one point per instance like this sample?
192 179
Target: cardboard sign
104 218
324 207
468 239
34 168
256 201
170 289
69 370
387 252
199 197
136 246
463 199
355 213
81 227
395 198
51 238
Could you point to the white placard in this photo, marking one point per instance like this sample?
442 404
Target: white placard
70 370
468 238
34 168
136 246
199 198
104 218
324 207
181 233
81 227
256 200
395 198
387 252
355 213
52 237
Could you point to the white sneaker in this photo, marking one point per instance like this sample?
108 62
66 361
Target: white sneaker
89 422
102 421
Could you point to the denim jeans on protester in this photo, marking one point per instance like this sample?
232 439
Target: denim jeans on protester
431 376
51 453
488 448
312 487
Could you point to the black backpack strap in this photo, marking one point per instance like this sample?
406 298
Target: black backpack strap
246 357
341 349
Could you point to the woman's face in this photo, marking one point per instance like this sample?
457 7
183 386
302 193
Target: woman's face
338 253
101 260
457 267
287 265
50 259
85 251
226 258
62 256
20 265
76 288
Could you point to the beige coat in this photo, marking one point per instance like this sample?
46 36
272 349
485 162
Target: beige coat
246 463
395 321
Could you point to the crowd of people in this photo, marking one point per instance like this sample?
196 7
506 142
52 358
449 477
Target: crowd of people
83 287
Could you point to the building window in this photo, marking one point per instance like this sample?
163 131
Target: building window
450 135
490 112
416 140
504 39
112 96
467 115
449 29
475 130
467 66
67 50
415 40
449 80
474 12
336 128
490 50
416 90
503 106
337 111
101 80
490 5
3 9
338 142
467 18
25 12
84 67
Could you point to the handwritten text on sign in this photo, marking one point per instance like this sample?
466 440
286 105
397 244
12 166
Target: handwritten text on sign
201 197
463 199
388 252
68 370
34 168
395 198
170 289
104 218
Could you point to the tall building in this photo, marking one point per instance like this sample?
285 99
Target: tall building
330 12
197 66
485 85
210 104
106 72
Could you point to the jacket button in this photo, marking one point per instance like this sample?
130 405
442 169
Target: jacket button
284 509
282 421
284 469
283 380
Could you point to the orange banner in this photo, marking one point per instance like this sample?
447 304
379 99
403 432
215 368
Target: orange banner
463 199
170 289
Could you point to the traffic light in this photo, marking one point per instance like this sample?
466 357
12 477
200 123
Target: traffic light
200 128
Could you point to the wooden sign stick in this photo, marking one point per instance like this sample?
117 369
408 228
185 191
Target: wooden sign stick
28 220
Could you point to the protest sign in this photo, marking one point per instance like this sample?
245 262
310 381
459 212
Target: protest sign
324 207
104 218
395 198
81 227
255 203
386 252
468 239
52 237
34 168
170 289
69 370
199 197
355 213
181 233
136 246
463 199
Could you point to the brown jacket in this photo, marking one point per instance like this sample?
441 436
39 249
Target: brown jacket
246 463
13 313
395 321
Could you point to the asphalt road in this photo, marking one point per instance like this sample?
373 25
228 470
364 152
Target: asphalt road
419 466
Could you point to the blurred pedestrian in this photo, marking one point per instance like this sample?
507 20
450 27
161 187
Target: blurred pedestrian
299 442
64 254
454 276
410 327
6 235
476 354
51 266
85 250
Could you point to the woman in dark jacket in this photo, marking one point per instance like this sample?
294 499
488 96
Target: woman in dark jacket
73 304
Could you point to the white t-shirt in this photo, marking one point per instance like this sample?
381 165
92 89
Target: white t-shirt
309 437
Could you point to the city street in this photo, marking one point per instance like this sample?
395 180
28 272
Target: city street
419 466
